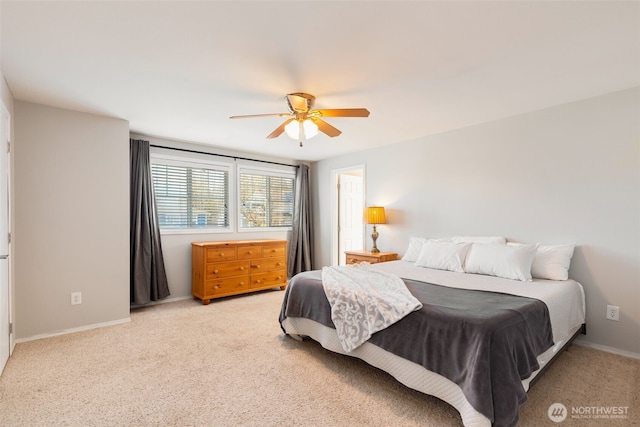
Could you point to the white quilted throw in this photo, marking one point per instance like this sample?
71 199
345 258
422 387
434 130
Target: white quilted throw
364 301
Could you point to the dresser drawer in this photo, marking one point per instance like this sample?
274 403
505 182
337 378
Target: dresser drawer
250 252
225 286
271 278
227 269
355 259
267 264
274 251
221 253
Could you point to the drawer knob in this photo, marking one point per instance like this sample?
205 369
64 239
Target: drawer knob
258 281
279 264
216 287
241 284
258 266
273 250
279 278
250 252
221 253
241 268
215 271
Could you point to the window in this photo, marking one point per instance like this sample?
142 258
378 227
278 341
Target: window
265 198
191 195
197 194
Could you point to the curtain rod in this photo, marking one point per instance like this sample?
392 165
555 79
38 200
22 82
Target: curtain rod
223 155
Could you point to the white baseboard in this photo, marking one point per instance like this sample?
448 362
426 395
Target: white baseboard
164 301
607 349
96 325
72 330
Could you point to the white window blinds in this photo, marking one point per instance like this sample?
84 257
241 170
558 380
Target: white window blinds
265 199
191 196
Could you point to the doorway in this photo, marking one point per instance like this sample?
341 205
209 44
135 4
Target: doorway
347 213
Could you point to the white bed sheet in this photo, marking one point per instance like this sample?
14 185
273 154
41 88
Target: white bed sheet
564 299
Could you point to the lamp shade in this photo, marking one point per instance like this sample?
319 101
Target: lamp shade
374 215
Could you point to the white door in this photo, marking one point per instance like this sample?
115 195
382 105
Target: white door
350 205
4 239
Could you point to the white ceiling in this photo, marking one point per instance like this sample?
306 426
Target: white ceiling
178 69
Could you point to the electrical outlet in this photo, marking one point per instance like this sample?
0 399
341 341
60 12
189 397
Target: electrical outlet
613 312
76 298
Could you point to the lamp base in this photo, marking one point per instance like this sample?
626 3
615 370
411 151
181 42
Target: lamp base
374 236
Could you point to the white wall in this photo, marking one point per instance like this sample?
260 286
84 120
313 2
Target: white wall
565 174
71 189
176 248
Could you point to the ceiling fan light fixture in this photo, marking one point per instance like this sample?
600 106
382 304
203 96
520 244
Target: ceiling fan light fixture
310 128
303 122
294 128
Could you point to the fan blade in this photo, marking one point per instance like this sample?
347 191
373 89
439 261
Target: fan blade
261 115
276 133
326 128
343 112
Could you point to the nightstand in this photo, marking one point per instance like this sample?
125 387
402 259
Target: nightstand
354 257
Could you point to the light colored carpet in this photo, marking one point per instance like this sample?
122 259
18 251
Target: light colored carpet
228 364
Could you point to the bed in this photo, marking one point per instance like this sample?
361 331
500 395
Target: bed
542 317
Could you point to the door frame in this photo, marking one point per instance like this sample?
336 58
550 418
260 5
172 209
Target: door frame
335 203
5 116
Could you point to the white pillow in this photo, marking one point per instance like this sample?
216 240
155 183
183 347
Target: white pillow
552 262
496 259
443 255
478 239
415 246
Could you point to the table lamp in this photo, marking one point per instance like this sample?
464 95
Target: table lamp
374 215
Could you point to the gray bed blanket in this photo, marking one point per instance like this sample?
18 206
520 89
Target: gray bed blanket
485 342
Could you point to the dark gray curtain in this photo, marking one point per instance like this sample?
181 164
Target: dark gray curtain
148 277
301 242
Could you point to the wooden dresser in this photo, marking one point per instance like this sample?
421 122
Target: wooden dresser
354 257
220 269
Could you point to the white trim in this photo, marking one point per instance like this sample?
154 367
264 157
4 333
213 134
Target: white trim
267 171
11 286
212 230
164 301
607 349
264 229
174 160
73 330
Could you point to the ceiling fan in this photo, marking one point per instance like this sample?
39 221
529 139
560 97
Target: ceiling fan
304 122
